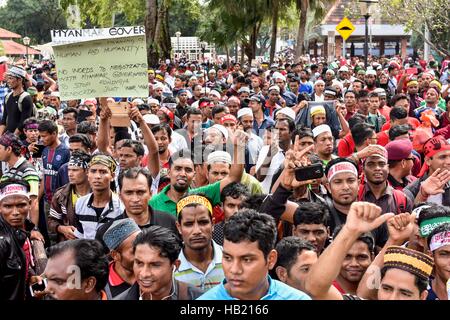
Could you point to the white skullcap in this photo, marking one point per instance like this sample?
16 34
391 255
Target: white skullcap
371 72
343 69
380 91
195 104
219 156
158 85
276 88
330 71
278 75
151 119
188 73
321 129
152 101
288 112
244 89
215 93
221 128
337 83
244 112
138 101
319 82
55 94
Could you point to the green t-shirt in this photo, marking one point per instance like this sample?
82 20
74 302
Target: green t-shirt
162 202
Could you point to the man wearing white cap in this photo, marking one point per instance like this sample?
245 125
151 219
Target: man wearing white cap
288 96
274 100
218 167
285 113
370 78
153 104
319 87
18 103
217 135
255 143
323 143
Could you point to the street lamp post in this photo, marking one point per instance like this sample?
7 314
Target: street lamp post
366 39
26 42
203 47
364 6
178 35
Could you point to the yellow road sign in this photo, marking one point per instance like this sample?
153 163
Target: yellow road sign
345 28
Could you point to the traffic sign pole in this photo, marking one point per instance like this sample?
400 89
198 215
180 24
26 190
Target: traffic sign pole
343 48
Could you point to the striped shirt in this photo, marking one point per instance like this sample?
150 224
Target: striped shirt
88 221
213 276
23 170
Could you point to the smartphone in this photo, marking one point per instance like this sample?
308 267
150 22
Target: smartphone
38 287
40 148
314 171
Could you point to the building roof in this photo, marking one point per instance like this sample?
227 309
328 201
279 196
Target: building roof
6 34
336 12
14 48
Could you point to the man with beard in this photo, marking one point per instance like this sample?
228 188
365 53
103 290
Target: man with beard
376 188
200 258
255 143
119 238
357 86
182 172
156 252
92 267
371 79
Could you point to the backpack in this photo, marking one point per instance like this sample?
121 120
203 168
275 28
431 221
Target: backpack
19 104
399 198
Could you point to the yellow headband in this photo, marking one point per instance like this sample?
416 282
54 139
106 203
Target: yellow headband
439 85
412 83
194 199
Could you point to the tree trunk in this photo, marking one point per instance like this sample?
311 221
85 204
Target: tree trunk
273 41
299 50
150 30
228 54
244 48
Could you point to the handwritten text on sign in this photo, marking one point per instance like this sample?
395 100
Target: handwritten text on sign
102 68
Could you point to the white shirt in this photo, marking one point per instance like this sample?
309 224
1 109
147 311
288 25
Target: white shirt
178 143
276 162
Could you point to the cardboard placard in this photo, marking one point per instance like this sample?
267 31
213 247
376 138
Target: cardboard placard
119 112
115 67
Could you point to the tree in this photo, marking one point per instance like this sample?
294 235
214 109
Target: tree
315 10
32 18
416 14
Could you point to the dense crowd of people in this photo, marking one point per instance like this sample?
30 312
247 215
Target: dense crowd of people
284 181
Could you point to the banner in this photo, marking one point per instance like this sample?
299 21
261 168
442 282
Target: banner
78 35
115 67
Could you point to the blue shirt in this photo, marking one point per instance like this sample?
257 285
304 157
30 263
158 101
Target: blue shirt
277 291
306 87
267 122
52 160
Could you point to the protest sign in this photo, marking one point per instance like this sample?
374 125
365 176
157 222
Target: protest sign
119 112
114 67
79 35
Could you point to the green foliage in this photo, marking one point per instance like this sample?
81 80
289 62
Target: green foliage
33 18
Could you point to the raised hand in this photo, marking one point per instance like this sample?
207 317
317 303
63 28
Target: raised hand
401 227
364 217
294 159
435 183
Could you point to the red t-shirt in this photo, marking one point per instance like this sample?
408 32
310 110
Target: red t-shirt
383 138
413 122
346 146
